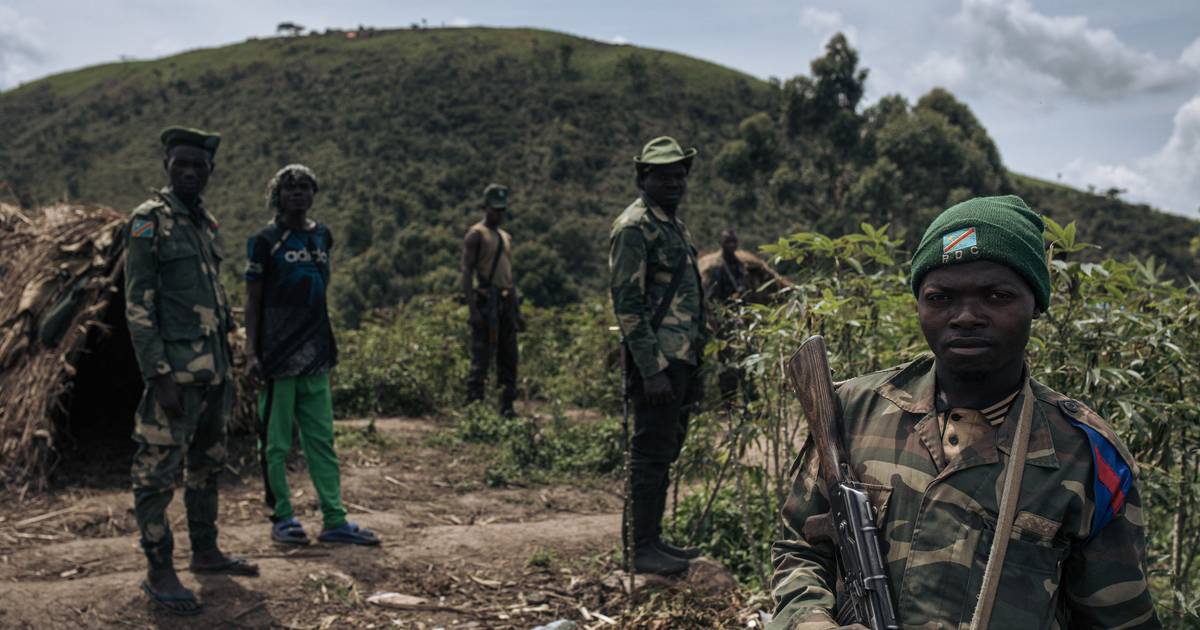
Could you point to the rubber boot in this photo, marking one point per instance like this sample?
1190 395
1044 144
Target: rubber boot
687 553
506 406
649 501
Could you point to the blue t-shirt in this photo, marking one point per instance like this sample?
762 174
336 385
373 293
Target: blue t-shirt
296 337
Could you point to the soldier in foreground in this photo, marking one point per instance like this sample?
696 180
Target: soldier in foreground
659 306
930 442
290 346
179 319
495 310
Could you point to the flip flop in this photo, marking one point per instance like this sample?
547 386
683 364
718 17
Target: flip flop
289 532
171 603
231 566
350 534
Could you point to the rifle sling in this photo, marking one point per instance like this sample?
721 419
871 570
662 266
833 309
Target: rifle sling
496 258
665 304
1008 511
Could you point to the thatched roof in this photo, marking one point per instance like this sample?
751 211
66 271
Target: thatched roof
61 291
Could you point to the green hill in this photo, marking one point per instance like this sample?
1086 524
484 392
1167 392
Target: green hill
405 128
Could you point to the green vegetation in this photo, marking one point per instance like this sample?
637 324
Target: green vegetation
405 128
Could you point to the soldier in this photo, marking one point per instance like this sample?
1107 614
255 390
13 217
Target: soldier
179 320
289 342
930 442
731 277
658 302
495 309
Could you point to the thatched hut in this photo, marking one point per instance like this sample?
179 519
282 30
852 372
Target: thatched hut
69 382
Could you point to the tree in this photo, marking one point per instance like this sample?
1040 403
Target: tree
289 28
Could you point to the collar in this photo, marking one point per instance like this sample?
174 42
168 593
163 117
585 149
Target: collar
175 205
657 211
914 388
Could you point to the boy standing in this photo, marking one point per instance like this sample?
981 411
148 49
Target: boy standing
290 345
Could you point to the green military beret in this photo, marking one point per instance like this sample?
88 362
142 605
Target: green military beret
175 136
495 196
664 150
1000 229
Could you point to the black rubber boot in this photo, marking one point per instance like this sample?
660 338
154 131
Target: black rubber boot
648 558
506 407
687 553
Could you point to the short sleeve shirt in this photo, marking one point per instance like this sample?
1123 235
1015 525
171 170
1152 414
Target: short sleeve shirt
296 337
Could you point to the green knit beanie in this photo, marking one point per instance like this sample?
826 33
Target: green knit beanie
999 229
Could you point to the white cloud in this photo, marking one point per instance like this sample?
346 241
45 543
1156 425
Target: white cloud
1191 55
825 24
460 22
1168 178
619 40
938 70
21 47
1035 55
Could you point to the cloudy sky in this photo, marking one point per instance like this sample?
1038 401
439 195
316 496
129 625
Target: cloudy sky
1101 93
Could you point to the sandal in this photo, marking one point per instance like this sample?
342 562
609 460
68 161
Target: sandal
350 534
182 605
289 532
230 566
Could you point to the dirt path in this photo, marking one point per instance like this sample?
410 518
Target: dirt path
481 557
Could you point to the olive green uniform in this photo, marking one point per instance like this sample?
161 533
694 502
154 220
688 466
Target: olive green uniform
935 477
647 247
179 318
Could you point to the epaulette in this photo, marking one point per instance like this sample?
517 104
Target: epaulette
148 206
632 214
1114 468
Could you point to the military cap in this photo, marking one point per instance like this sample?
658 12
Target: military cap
175 136
495 196
664 150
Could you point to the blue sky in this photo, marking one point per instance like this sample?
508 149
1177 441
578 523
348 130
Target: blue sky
1092 93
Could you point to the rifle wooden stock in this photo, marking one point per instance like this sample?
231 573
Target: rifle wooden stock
808 370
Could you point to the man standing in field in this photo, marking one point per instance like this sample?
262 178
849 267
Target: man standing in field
930 442
290 344
659 305
491 296
179 319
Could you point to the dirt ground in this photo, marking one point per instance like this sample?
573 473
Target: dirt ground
479 557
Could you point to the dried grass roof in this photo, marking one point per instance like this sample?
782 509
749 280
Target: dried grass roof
60 271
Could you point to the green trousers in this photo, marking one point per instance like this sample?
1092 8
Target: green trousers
192 446
307 401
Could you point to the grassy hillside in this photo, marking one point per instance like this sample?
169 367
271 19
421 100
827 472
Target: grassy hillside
406 127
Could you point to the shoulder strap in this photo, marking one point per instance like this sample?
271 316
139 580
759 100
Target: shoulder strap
1008 512
669 296
496 258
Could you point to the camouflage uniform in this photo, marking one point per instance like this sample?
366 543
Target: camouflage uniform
178 317
646 248
1072 561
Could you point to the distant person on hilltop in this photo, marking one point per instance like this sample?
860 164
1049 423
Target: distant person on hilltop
731 277
179 321
966 458
492 302
290 345
659 305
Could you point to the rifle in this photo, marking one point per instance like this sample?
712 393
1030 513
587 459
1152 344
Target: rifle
852 516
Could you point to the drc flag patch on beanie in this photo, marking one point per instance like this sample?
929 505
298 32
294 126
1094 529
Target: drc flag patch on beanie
959 241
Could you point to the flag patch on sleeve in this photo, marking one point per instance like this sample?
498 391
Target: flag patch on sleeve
959 240
142 228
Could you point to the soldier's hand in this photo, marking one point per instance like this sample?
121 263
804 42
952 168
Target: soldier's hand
657 389
253 367
170 399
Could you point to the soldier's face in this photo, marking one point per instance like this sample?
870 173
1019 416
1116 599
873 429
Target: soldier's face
188 169
296 195
666 184
729 245
495 216
976 316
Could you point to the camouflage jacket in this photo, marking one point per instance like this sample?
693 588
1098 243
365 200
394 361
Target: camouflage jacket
177 310
645 248
1073 561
